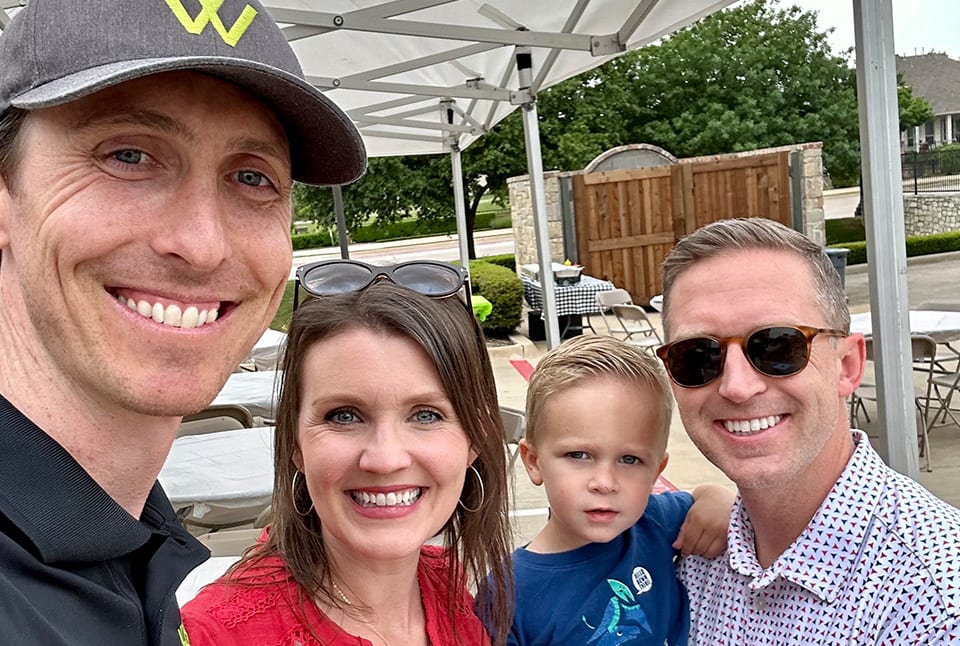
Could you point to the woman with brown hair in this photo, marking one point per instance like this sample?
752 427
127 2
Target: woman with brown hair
388 435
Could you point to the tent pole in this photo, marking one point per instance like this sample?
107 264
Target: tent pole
531 137
341 218
460 208
883 219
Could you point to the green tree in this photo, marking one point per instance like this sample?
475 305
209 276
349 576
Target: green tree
398 187
914 110
752 76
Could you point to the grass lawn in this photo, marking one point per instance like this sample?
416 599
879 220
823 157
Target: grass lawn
282 319
841 230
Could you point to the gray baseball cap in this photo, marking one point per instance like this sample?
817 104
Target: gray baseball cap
56 51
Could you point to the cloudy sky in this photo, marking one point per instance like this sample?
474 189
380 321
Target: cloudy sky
919 25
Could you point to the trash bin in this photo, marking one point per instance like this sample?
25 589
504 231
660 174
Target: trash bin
838 256
570 325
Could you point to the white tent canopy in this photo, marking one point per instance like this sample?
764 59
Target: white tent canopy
397 67
431 76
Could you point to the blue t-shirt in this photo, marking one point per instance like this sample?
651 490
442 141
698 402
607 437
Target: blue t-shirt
606 594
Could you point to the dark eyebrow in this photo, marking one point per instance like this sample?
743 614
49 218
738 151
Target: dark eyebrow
146 118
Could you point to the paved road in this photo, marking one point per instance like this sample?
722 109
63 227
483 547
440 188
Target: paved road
487 243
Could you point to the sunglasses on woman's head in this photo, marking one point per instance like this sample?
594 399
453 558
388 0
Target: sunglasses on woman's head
428 277
777 351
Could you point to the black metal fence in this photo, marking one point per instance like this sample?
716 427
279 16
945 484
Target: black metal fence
931 171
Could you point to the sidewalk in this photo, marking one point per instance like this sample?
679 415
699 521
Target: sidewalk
929 278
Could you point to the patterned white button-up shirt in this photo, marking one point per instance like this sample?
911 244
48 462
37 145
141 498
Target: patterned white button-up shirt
879 563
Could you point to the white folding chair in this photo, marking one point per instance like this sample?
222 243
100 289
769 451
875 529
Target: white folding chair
637 327
215 418
605 302
948 356
514 426
924 351
944 387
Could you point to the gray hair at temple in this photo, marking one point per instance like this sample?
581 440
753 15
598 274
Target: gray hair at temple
739 234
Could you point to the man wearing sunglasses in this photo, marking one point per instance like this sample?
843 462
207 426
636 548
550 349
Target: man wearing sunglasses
147 152
827 545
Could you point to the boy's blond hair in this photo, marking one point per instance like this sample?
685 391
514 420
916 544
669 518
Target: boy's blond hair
584 357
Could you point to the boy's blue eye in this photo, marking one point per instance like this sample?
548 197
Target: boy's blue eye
630 459
577 455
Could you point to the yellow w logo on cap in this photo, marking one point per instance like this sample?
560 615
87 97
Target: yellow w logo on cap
208 14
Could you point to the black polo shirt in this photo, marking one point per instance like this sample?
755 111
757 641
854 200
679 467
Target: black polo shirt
75 567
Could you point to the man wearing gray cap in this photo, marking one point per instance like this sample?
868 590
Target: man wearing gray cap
147 151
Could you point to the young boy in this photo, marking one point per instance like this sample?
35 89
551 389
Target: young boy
601 571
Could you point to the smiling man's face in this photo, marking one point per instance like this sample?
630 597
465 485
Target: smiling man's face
145 240
764 431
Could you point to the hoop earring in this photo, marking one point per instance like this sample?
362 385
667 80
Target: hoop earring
483 493
293 496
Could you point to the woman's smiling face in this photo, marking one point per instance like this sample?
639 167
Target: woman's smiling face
381 447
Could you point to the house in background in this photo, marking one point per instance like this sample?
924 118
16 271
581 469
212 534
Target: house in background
935 77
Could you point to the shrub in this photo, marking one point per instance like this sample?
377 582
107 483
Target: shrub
503 289
858 252
915 246
313 240
507 260
844 230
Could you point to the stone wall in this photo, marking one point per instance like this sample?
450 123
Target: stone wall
521 208
927 213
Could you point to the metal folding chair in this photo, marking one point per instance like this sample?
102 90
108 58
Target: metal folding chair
948 356
215 418
605 302
924 352
637 327
514 427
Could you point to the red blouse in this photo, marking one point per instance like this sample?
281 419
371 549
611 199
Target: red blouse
226 614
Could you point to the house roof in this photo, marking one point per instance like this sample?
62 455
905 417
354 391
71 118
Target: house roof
936 77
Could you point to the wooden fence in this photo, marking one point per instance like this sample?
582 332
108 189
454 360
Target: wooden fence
628 220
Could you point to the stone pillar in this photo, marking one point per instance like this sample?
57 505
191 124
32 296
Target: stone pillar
948 119
521 214
812 205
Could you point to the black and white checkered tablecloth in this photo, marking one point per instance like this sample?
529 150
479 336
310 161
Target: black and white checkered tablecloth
571 299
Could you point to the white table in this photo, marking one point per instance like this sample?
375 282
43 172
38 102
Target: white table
942 327
257 391
267 350
221 478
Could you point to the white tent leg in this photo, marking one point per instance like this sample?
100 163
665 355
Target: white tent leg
460 208
883 219
531 137
341 218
